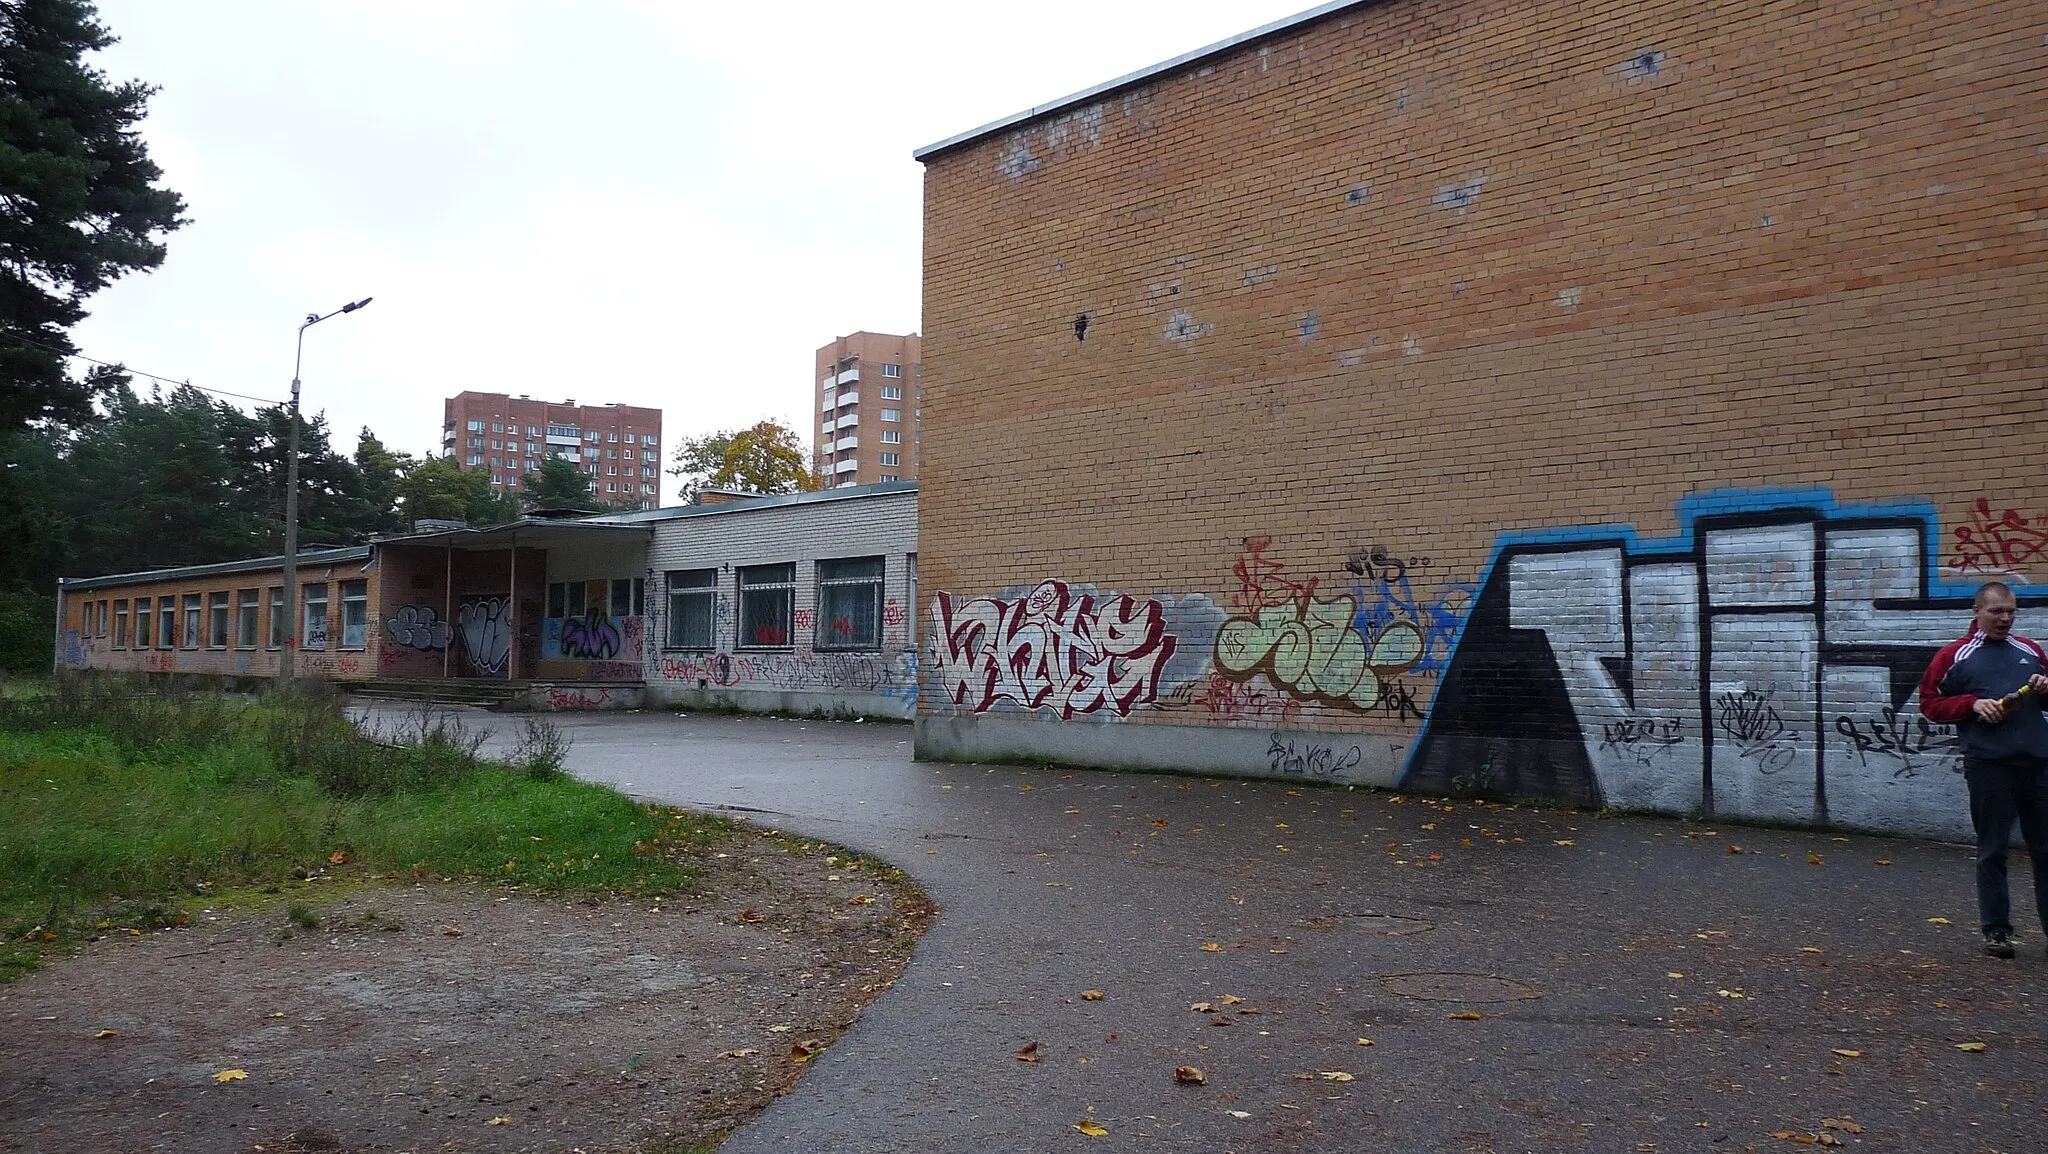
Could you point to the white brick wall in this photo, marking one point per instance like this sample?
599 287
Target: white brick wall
797 677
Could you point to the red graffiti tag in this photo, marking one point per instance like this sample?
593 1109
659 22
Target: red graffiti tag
1259 583
893 614
1998 544
1053 648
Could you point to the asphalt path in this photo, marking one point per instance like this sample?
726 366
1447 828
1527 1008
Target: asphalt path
1529 979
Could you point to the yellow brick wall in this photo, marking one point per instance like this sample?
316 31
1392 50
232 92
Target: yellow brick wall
1421 275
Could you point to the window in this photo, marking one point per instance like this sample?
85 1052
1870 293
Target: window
612 454
121 624
767 605
355 614
497 427
247 606
891 459
648 439
892 370
692 608
276 616
217 620
562 431
101 628
613 438
892 392
496 443
647 455
314 635
476 442
892 414
593 436
475 460
167 623
647 489
494 462
892 436
142 623
475 426
622 597
850 604
192 612
532 431
610 487
887 477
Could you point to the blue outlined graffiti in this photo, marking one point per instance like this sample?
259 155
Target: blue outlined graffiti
1386 602
1828 611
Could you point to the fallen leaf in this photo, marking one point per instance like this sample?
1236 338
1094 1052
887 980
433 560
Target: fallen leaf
1970 1047
243 1075
1730 994
1202 1007
1086 1126
1846 1125
751 918
450 932
1237 1113
860 900
1250 1010
1212 947
1028 1054
1276 951
338 857
1091 995
1884 861
498 1122
1810 950
1674 974
1813 859
1939 922
780 1029
106 1034
746 1053
1849 1053
1466 1016
1365 1041
1027 789
1733 848
1190 1076
1823 1138
1335 1076
1230 1000
802 1052
1564 841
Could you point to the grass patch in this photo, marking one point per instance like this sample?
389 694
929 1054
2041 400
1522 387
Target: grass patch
119 802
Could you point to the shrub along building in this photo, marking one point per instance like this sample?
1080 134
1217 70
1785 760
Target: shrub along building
794 603
1616 404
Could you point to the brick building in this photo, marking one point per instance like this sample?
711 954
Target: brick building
1613 402
870 398
618 446
797 603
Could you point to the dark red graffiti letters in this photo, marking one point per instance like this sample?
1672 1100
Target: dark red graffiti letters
1054 648
1999 544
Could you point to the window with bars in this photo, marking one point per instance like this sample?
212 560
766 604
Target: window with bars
692 609
767 605
849 604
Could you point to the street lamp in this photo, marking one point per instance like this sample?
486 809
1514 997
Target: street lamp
285 659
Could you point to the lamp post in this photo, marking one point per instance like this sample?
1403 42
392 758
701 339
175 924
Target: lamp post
285 659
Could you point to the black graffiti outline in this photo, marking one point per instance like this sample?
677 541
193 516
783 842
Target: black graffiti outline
1312 760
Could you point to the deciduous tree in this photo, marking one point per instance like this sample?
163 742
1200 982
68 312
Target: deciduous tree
767 457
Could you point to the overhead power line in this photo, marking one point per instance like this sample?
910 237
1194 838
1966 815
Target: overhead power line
138 372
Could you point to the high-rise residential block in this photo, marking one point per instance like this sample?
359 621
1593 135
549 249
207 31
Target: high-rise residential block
617 446
870 403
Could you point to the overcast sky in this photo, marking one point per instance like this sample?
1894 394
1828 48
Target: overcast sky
668 204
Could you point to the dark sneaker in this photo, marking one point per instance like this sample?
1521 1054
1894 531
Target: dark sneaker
1998 943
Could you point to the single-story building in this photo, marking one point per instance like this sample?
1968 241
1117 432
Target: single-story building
786 602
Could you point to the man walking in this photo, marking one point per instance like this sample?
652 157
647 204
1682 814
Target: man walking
1990 685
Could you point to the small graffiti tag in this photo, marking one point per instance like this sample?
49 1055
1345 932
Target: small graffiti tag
1753 725
1305 758
1642 738
1916 742
2000 543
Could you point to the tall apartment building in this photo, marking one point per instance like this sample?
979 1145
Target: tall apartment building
870 404
618 446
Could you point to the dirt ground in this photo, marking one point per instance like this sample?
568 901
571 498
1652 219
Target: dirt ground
456 1017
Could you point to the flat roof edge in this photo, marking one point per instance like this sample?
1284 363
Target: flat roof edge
1262 32
307 559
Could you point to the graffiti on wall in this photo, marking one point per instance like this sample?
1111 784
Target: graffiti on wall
891 675
419 627
1314 649
74 649
1059 647
1763 662
486 629
1995 545
592 636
